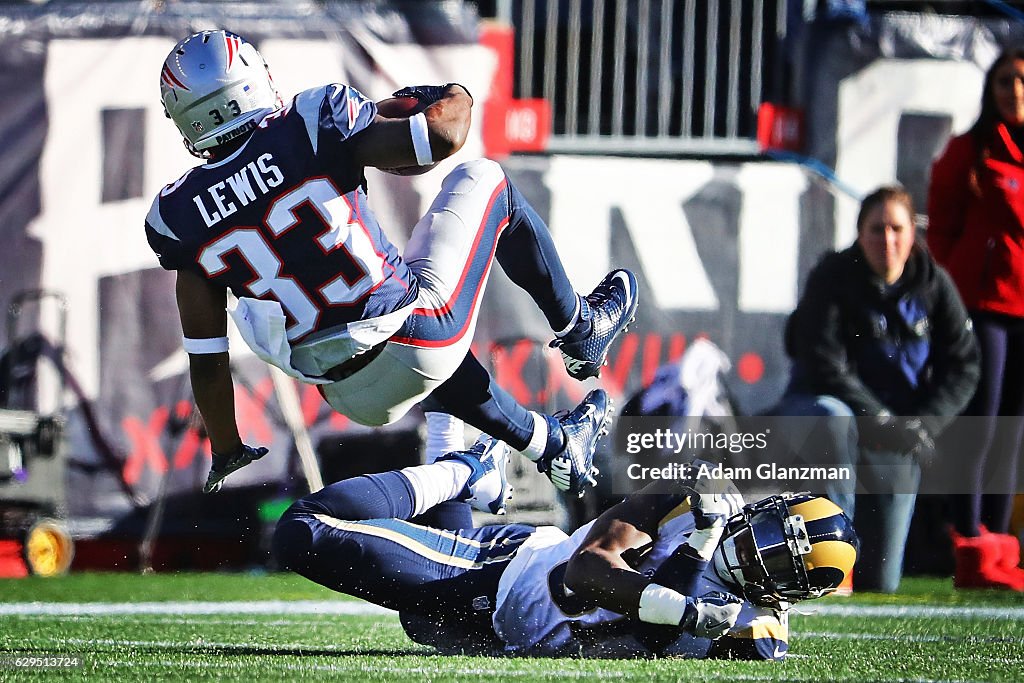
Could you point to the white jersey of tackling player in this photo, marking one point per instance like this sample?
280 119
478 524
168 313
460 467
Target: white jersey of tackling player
536 612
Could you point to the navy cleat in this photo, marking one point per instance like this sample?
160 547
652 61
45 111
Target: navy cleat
223 465
572 469
488 489
610 309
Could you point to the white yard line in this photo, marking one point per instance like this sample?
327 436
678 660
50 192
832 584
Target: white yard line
275 607
447 672
350 608
913 611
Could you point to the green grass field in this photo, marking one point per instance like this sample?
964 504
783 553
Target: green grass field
927 632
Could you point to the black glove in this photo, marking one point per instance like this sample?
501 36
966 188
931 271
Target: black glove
427 93
226 463
905 435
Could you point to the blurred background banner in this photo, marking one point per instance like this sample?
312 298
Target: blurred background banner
721 237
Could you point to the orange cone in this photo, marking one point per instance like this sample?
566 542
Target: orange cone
845 589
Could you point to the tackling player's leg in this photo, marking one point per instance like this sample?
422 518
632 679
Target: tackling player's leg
445 434
487 488
353 537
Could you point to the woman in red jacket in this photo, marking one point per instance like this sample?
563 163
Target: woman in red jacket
976 230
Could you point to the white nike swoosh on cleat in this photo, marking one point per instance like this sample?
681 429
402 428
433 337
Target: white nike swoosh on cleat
625 285
571 363
560 473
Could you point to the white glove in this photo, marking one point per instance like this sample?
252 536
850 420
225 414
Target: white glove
710 513
710 510
712 614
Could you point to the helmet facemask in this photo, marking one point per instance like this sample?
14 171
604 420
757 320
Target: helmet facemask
768 552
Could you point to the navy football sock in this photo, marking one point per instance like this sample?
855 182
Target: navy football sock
556 437
471 394
528 256
581 329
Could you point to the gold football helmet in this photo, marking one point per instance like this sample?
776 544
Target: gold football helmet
787 548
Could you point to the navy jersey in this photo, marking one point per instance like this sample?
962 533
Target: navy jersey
536 613
285 218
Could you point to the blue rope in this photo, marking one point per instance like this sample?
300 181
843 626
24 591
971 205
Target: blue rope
817 167
1007 9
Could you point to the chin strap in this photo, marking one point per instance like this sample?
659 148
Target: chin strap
199 154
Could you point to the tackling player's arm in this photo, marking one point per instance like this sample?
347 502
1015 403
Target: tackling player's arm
599 573
201 305
391 143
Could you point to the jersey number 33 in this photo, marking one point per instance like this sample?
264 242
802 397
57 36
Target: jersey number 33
361 267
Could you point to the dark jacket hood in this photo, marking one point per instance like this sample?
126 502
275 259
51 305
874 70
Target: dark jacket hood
919 272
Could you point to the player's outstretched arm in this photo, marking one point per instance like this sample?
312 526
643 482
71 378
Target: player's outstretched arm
201 306
393 142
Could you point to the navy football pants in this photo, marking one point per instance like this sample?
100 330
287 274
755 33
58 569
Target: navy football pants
353 537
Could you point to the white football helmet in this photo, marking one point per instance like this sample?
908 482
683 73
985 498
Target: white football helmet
216 87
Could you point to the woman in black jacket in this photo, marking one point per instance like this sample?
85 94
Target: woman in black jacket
881 335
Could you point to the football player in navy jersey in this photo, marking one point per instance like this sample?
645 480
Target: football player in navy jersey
691 572
278 215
